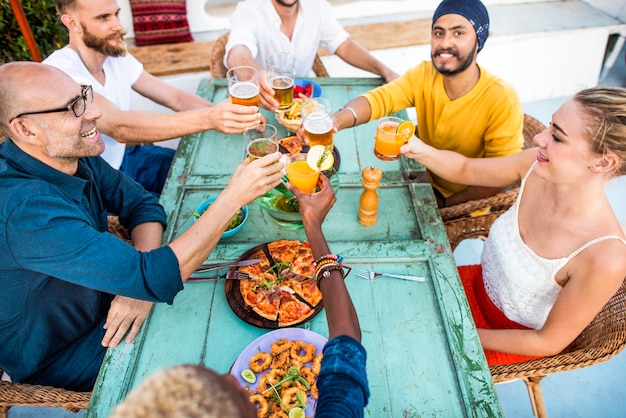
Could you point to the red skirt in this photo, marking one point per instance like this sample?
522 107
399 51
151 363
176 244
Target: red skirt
486 314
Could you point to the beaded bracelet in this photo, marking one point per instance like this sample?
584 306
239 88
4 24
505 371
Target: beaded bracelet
324 272
323 263
333 257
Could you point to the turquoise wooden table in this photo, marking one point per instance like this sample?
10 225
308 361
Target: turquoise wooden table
424 356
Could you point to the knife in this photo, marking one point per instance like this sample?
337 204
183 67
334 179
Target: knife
209 267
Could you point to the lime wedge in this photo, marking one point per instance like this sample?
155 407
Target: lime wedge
296 412
320 158
248 375
406 130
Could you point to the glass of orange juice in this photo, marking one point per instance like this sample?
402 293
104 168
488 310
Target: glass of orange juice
300 174
243 85
388 141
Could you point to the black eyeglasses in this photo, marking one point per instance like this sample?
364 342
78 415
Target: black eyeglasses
78 106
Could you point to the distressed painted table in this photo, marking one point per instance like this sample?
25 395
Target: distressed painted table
424 356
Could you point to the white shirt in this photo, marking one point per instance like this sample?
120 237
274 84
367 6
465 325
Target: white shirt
518 281
256 24
120 72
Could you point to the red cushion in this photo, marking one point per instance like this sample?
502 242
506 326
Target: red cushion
160 21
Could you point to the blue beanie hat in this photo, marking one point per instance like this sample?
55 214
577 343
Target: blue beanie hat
472 10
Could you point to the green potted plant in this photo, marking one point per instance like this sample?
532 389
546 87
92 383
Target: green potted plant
47 29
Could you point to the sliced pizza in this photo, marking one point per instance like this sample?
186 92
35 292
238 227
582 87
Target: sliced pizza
307 290
262 300
292 311
284 250
303 261
292 144
257 271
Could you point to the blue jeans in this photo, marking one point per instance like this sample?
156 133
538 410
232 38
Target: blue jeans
148 165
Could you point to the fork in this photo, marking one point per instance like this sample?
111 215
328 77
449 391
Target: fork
372 275
230 275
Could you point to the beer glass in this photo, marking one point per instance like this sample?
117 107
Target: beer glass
300 174
243 85
317 119
260 140
388 142
281 72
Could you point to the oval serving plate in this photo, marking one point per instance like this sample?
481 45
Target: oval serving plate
264 343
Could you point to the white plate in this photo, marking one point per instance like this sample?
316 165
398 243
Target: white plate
264 343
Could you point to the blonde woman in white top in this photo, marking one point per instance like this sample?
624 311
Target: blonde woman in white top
554 259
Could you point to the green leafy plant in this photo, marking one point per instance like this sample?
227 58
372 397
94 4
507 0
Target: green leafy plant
48 31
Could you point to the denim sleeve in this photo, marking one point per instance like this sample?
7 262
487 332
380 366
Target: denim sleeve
342 382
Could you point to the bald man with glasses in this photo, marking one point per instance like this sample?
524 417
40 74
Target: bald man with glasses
68 288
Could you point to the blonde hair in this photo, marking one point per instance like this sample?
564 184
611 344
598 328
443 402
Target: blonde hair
606 108
185 391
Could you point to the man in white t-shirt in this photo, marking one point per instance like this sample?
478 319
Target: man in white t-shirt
261 27
97 55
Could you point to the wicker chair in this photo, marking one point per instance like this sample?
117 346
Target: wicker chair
218 70
499 201
604 337
18 394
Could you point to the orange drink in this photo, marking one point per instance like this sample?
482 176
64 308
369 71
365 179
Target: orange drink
243 85
388 142
300 174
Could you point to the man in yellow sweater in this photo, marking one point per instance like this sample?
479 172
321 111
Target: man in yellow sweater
459 105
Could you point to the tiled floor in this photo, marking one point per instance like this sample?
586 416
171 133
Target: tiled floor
597 391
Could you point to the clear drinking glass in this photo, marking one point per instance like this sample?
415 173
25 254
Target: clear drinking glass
388 142
260 141
243 85
281 72
300 174
317 119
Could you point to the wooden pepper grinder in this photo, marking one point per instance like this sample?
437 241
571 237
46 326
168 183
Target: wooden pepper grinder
368 204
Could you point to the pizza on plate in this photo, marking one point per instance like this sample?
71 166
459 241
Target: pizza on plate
292 144
281 287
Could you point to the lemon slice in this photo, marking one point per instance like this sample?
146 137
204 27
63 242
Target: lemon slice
248 375
320 158
406 130
296 412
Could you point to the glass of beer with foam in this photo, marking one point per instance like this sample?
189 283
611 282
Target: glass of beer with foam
243 85
281 72
317 120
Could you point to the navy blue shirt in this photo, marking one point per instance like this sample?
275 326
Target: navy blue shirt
342 382
60 268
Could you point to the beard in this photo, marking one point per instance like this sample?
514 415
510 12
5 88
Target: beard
111 46
70 147
463 65
285 4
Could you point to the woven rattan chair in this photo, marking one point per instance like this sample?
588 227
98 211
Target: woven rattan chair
17 394
499 201
603 339
218 70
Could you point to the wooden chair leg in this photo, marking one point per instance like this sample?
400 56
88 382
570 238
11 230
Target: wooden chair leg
4 411
533 384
